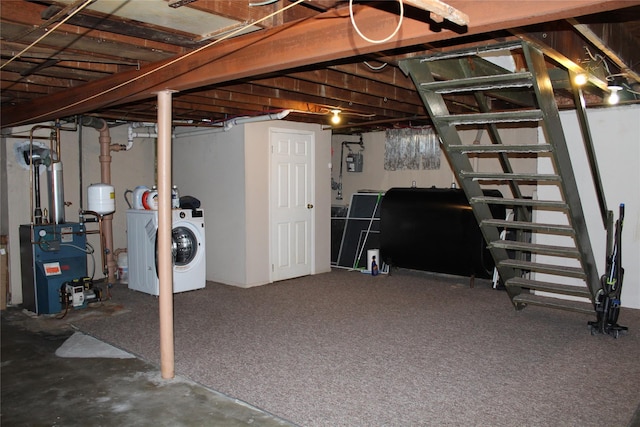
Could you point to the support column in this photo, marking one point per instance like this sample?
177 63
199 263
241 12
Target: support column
165 262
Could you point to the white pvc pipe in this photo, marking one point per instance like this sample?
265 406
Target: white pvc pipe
165 263
131 134
227 125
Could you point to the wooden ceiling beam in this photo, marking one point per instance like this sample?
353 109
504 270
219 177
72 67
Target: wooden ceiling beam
346 97
360 84
616 43
390 74
25 15
102 47
240 103
33 84
284 87
55 71
289 46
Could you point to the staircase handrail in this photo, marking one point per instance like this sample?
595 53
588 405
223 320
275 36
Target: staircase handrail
578 97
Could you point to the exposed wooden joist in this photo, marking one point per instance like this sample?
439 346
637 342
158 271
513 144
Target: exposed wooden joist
241 10
37 52
616 43
243 99
346 97
70 42
25 15
295 45
389 74
360 84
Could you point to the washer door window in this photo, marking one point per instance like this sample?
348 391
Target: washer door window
184 247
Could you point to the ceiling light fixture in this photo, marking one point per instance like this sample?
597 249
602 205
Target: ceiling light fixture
335 119
614 97
580 79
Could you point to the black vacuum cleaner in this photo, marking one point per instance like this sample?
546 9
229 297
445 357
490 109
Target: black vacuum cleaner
608 299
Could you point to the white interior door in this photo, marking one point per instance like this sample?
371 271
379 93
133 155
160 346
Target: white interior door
291 204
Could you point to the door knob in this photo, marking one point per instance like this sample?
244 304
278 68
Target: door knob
309 206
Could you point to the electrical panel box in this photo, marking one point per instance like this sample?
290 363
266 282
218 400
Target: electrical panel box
354 162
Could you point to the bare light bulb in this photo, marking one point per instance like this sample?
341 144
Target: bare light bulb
580 79
335 119
614 97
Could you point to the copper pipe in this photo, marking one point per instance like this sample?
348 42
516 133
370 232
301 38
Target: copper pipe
100 231
105 176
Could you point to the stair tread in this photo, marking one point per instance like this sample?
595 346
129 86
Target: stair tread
501 148
509 176
562 304
559 288
519 202
478 83
537 248
532 226
494 117
458 53
559 270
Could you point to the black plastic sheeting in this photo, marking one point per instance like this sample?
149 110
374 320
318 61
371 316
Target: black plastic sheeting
435 230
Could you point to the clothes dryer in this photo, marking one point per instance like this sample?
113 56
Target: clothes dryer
188 250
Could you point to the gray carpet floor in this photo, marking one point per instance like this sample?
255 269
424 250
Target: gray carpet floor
408 349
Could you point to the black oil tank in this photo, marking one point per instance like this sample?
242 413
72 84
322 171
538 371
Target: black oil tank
435 230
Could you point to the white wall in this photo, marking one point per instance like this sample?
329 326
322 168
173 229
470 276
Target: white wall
258 177
210 167
616 135
219 158
616 138
229 172
374 177
129 169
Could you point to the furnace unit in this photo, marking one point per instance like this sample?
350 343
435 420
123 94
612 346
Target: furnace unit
51 255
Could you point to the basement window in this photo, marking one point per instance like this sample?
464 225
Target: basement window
411 149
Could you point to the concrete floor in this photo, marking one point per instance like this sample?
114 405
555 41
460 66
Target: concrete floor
40 388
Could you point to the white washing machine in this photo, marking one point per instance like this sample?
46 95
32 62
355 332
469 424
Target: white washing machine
188 250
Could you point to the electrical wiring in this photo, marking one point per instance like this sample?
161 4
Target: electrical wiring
91 252
174 61
601 59
263 3
609 77
378 68
355 26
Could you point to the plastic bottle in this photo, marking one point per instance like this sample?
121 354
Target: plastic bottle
123 268
374 266
175 197
150 199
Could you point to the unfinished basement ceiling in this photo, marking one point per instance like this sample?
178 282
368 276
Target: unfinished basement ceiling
248 57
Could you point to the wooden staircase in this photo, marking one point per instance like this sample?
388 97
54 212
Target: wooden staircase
548 260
